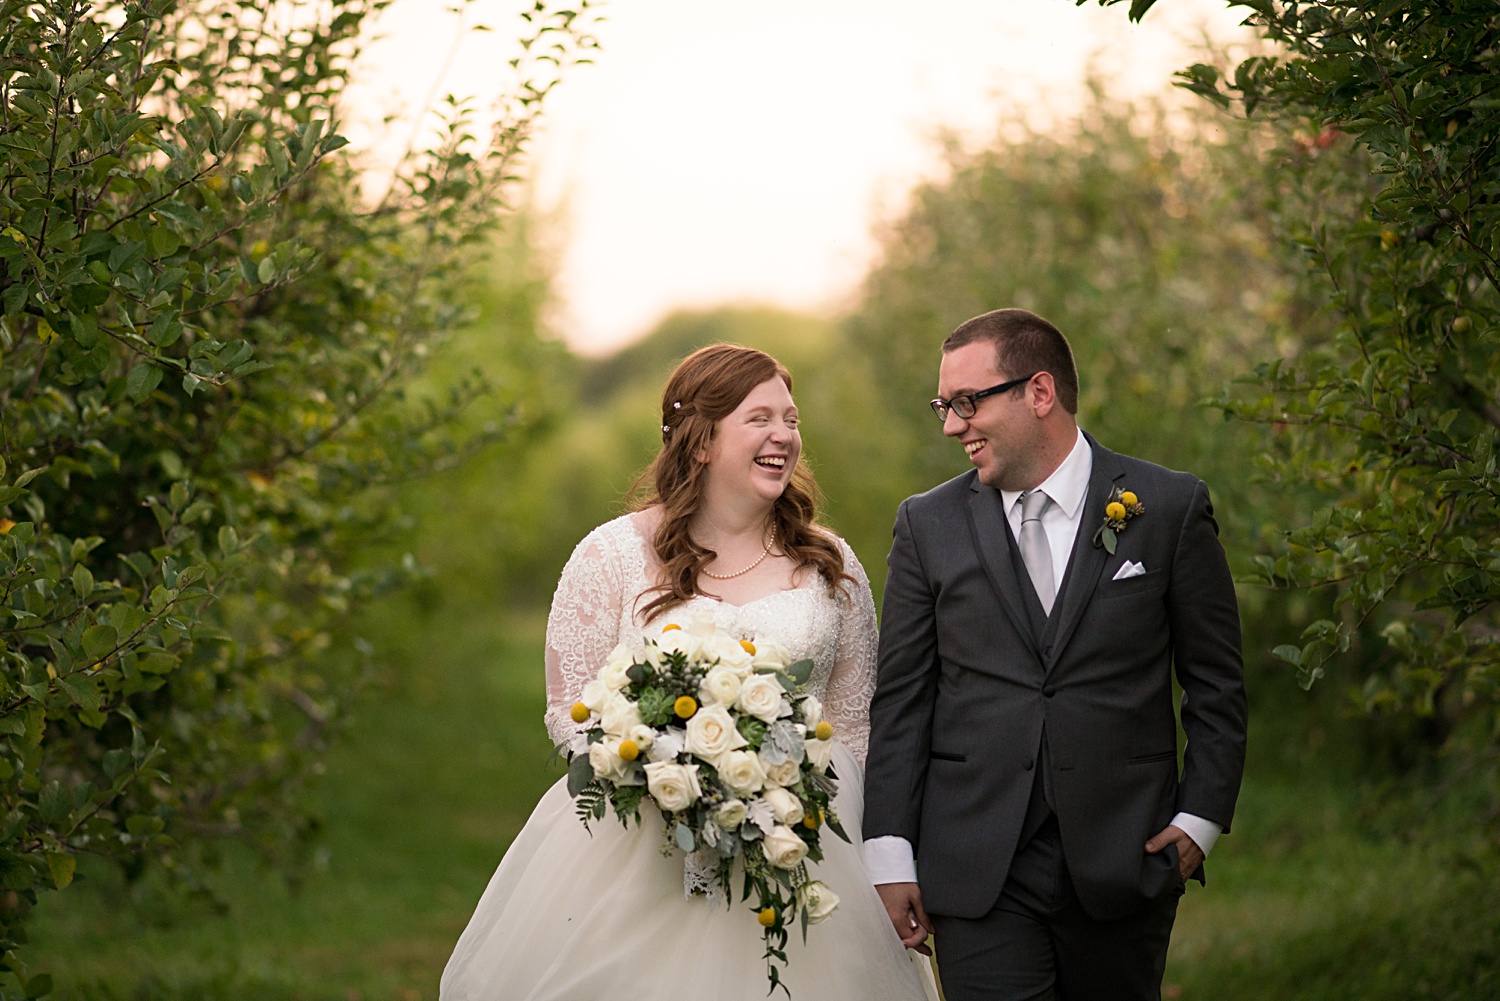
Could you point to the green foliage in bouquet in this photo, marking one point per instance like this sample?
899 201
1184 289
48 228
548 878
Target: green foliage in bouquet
724 739
208 327
1395 418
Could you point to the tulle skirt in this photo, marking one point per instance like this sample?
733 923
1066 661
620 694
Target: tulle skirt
571 916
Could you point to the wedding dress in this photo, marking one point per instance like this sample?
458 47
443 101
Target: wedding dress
574 916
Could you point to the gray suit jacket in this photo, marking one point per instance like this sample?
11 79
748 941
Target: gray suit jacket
965 691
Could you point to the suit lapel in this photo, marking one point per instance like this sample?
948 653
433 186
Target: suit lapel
987 522
1087 560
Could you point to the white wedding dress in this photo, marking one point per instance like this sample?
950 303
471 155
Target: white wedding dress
571 916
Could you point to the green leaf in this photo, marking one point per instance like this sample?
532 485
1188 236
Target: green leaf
62 866
142 381
800 671
14 725
580 775
266 270
1109 538
683 835
40 985
83 582
98 640
1288 653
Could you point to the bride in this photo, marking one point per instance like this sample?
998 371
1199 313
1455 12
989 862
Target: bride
728 532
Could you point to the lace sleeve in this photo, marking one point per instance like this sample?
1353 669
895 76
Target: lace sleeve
582 628
852 682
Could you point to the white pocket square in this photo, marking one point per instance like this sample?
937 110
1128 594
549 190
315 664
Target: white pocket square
1129 570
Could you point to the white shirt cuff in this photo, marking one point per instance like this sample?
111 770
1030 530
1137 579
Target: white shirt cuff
1203 832
889 860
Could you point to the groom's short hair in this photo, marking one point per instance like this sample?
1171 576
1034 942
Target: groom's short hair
1024 342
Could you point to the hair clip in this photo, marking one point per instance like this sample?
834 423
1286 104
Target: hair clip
665 429
676 405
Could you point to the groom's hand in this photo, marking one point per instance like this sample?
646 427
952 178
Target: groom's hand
903 902
1189 855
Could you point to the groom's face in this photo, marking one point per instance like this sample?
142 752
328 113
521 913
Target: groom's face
1000 437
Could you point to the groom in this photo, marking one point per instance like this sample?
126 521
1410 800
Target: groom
1022 786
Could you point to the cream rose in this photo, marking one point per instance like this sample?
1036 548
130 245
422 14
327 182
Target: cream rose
619 661
785 774
760 696
769 653
674 787
731 654
817 901
604 755
730 814
783 848
819 752
721 686
812 709
595 694
643 736
619 716
681 641
711 733
742 772
786 808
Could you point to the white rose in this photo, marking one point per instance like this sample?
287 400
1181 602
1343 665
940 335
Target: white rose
674 787
741 771
812 709
721 686
769 653
604 755
817 901
619 716
711 733
783 848
643 736
619 661
731 653
681 641
785 774
595 694
785 807
819 752
760 696
730 814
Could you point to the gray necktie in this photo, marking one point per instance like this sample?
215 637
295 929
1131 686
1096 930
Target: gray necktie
1034 547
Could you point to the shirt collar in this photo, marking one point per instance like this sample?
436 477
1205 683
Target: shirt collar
1068 482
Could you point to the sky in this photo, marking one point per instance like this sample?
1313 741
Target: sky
722 152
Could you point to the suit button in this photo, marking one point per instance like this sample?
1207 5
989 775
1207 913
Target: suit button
1048 691
1029 763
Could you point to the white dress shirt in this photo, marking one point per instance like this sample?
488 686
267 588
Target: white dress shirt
889 859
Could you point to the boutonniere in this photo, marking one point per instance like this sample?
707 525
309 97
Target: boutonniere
1122 506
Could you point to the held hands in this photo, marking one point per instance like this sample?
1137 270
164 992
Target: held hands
903 902
1189 855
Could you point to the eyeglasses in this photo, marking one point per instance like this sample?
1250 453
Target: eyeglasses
966 405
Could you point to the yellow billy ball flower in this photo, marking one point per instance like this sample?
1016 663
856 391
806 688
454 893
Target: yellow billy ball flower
812 820
670 626
580 713
1128 499
1114 510
629 750
685 706
748 647
823 730
767 917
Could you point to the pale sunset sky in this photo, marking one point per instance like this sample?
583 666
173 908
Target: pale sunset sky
731 152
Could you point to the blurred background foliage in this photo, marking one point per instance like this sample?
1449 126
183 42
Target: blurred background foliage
1159 237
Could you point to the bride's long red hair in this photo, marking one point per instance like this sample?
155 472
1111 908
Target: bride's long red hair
708 386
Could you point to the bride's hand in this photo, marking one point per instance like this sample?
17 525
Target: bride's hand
903 903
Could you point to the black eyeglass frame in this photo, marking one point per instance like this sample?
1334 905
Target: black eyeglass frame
941 406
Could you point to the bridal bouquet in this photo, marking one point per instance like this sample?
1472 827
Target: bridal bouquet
722 737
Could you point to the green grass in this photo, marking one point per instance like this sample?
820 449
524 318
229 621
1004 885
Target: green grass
439 773
1323 891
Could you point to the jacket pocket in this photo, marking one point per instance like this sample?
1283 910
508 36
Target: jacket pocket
946 756
1146 759
1148 581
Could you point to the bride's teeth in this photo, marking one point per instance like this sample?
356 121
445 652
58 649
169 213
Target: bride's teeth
771 461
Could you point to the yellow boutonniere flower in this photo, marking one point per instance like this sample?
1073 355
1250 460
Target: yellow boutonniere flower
1122 506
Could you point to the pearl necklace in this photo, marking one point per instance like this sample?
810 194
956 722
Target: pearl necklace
758 560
